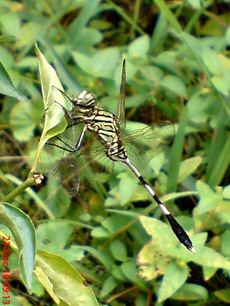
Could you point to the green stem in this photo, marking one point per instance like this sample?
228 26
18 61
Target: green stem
22 186
18 190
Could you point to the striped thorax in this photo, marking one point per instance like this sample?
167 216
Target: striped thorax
101 123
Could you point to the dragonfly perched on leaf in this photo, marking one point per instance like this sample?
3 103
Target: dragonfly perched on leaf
134 149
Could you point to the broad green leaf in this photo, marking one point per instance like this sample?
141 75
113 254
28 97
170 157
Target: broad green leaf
23 231
102 64
49 241
64 73
199 107
208 198
225 245
208 272
188 166
9 27
151 73
86 39
126 187
100 232
108 286
62 281
6 86
212 61
223 295
6 38
139 47
208 257
173 279
118 250
222 84
162 245
130 271
191 292
54 195
101 255
116 271
226 192
55 122
24 117
173 83
79 23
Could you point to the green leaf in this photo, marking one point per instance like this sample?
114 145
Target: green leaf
9 27
129 270
100 232
24 118
171 18
173 279
139 47
210 258
163 248
6 86
118 250
6 38
225 246
102 64
126 187
23 231
191 292
212 61
54 195
48 241
62 281
220 147
222 84
108 285
156 255
175 156
208 198
86 14
188 166
55 122
64 73
174 84
223 295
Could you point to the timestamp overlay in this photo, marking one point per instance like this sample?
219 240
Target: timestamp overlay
5 270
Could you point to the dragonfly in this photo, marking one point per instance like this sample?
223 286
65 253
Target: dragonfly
106 127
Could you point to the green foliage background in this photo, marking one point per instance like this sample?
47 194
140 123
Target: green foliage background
178 69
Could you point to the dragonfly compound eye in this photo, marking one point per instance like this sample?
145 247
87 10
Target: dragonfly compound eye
85 99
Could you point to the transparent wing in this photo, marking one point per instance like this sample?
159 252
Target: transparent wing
57 149
96 166
144 144
120 113
89 163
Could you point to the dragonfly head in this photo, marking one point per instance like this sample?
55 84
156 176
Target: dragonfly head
84 101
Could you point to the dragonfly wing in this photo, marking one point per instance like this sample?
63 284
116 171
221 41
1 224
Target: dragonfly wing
89 163
144 144
120 113
96 166
57 149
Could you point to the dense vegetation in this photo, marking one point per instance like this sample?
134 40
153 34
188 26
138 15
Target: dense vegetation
110 234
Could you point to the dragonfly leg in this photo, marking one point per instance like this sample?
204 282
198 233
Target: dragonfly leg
75 121
67 113
68 147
